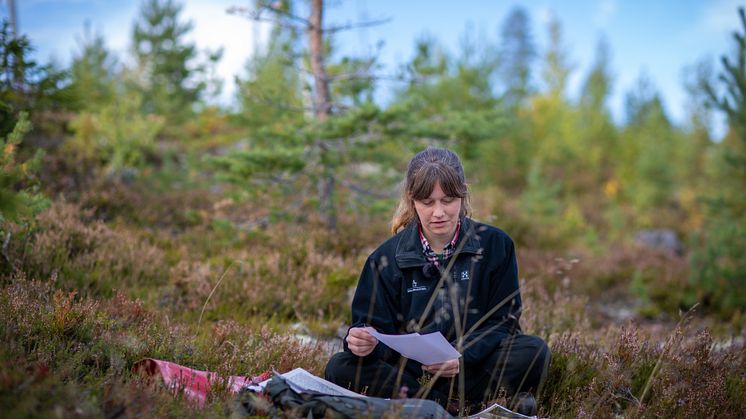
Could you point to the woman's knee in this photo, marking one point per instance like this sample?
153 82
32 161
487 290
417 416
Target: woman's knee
537 351
337 366
527 353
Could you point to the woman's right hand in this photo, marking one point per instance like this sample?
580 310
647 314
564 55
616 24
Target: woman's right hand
360 342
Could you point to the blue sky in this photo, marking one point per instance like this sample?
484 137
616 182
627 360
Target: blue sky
655 37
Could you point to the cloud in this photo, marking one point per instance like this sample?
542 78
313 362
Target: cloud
720 16
214 28
604 12
544 14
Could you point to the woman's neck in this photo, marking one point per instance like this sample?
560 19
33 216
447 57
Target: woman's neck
439 243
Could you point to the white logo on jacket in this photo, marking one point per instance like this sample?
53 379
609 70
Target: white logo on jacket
416 287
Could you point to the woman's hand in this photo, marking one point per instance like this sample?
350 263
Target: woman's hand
360 342
446 369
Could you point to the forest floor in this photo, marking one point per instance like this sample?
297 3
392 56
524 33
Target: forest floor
116 272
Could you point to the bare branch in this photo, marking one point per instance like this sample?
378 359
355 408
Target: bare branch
356 25
257 15
363 191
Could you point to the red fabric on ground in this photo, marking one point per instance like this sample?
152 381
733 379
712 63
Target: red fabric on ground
194 384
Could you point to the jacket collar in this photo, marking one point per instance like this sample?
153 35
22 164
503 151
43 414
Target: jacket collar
409 249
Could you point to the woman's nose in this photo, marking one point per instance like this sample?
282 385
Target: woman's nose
438 210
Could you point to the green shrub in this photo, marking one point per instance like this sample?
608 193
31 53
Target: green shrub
19 194
118 135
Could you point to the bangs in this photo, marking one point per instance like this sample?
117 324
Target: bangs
424 180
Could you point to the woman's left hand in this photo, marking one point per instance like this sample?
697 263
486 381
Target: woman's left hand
444 369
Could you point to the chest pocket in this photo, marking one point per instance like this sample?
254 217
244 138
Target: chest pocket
418 290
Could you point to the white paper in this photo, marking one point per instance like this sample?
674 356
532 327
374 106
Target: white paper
498 411
428 349
301 381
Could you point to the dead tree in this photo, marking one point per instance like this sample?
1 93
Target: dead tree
323 105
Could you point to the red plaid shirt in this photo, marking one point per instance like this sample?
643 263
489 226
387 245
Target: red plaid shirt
448 251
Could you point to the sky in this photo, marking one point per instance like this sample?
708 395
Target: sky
654 38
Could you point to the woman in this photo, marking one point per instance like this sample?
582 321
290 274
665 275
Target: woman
441 271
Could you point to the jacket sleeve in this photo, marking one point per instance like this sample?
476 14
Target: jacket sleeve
374 303
504 307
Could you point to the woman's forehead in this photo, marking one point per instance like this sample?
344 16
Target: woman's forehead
436 192
424 182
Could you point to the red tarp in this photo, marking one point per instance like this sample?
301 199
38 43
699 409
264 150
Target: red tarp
193 383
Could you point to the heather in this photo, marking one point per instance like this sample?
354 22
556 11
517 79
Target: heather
138 220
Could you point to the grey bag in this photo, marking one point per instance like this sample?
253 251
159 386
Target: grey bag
279 400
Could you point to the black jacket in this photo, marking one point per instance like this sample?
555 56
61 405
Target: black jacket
394 290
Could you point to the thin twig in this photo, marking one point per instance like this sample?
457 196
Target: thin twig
199 321
356 25
658 363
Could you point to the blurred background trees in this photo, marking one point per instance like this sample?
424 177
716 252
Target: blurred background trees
309 141
718 265
133 206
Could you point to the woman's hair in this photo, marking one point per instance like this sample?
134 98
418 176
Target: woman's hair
428 167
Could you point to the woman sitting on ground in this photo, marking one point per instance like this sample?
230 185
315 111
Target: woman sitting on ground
441 271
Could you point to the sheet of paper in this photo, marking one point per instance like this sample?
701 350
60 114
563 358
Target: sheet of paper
301 381
428 349
498 411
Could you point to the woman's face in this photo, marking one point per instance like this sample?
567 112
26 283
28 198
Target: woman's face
439 215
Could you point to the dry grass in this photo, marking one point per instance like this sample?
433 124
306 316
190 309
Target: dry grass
88 298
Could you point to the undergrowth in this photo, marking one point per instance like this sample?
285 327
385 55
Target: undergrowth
67 355
95 285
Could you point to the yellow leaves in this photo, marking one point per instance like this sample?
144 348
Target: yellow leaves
688 197
611 188
8 151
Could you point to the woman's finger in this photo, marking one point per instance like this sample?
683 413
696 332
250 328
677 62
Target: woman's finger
352 340
445 369
363 334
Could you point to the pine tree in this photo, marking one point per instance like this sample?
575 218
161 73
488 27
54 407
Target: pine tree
517 54
27 86
645 168
450 101
718 265
271 93
165 61
303 137
596 131
553 119
20 199
93 72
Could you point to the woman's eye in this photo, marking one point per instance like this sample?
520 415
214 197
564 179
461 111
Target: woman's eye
447 200
427 202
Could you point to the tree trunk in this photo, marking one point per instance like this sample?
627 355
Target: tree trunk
322 100
322 107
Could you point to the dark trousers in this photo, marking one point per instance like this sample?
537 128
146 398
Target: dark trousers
518 364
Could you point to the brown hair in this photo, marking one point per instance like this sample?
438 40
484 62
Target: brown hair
427 168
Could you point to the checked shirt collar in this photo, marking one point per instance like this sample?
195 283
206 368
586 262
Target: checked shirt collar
430 254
